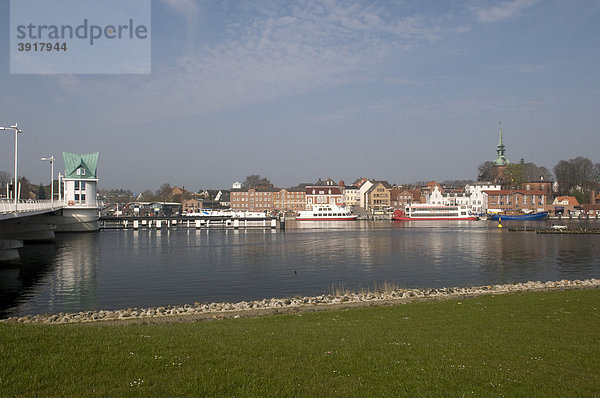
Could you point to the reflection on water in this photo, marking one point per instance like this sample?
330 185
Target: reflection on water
119 269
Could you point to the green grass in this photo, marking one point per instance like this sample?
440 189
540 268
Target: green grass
529 344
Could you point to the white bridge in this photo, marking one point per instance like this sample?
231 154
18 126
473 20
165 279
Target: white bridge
27 207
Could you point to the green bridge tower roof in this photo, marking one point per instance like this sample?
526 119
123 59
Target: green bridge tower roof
80 166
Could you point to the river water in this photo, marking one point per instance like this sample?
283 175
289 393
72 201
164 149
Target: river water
114 269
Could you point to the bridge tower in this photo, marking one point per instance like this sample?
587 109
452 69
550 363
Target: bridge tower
80 211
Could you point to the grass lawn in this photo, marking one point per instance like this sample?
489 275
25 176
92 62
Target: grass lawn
526 344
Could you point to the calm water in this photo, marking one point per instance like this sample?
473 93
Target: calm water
119 269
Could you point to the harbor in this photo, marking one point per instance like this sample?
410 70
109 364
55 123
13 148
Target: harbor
121 268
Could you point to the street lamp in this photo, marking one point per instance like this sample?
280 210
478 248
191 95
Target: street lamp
17 130
51 160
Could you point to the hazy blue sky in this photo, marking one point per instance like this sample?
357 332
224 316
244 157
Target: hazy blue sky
396 90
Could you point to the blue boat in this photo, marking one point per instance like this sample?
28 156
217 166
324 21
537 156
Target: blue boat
540 215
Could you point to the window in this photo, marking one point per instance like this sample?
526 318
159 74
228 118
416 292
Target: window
76 196
80 171
82 185
82 196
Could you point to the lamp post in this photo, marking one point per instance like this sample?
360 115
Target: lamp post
17 130
51 160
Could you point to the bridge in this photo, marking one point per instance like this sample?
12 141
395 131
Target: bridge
26 208
31 221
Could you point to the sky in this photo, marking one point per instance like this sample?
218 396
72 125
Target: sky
401 91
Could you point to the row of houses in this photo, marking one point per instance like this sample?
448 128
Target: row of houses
372 196
379 197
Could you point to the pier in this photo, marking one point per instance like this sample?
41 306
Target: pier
196 222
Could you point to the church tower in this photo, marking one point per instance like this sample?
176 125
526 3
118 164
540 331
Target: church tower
501 161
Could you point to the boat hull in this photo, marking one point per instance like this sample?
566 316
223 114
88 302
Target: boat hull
435 218
542 215
349 218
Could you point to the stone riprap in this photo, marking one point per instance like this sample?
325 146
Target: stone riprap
207 311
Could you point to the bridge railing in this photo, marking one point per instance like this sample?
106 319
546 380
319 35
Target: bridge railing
25 206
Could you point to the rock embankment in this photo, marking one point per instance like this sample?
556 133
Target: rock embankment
206 311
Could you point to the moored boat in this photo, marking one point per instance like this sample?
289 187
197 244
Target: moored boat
540 215
327 213
428 212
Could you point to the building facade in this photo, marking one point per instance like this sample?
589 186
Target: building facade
351 195
323 195
377 198
192 205
79 193
289 200
253 199
498 201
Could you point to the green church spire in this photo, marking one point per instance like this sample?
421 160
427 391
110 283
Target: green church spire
500 158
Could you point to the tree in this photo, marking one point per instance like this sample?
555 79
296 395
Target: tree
27 190
164 191
577 174
41 194
515 173
486 171
255 180
5 178
148 196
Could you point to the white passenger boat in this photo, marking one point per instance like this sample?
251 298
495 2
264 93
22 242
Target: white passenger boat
326 213
428 212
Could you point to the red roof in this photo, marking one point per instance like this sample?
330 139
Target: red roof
572 200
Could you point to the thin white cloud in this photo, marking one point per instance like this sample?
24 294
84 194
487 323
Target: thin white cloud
183 7
503 11
274 52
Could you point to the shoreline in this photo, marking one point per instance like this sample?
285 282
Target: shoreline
272 306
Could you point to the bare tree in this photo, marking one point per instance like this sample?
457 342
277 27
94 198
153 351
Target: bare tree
486 171
164 192
256 180
5 178
578 174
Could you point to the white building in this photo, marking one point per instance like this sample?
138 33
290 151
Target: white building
473 197
362 192
352 195
80 210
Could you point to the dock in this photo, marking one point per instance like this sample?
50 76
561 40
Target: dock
184 222
558 229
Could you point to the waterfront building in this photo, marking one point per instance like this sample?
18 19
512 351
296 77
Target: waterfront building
399 198
364 186
192 205
428 188
541 185
253 199
292 199
79 193
351 195
476 191
497 201
322 195
565 204
377 198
